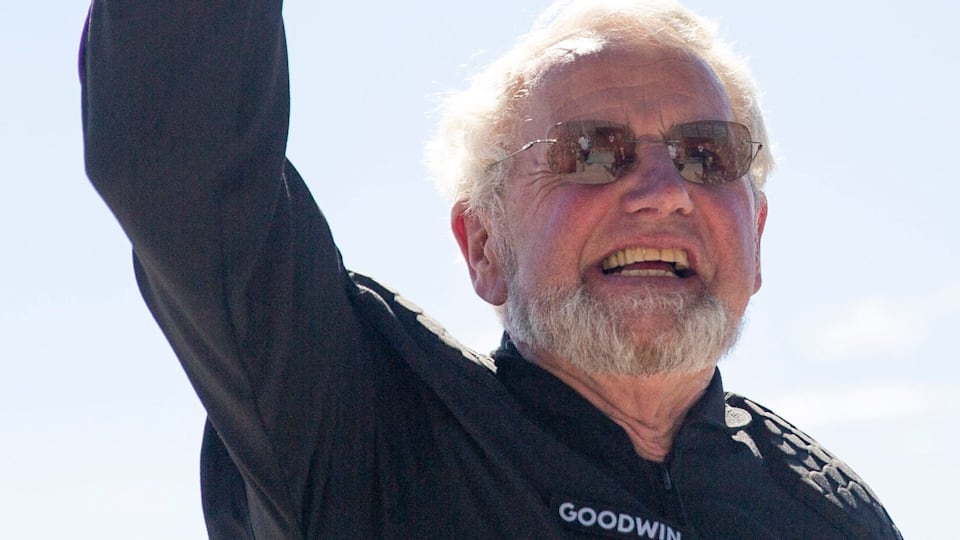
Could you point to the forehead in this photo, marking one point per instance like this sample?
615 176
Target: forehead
646 85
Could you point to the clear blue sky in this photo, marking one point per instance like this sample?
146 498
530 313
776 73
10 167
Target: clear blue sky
849 337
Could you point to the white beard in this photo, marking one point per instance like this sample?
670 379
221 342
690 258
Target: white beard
595 335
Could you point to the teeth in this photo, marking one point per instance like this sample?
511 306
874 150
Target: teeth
647 273
628 256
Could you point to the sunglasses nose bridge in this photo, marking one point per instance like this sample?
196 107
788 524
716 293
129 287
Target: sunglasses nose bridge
653 184
656 158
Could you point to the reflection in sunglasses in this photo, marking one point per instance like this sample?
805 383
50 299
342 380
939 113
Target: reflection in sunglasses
708 152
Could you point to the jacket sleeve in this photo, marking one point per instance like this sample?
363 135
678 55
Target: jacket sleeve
185 113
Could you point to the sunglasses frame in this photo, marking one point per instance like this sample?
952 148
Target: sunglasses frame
603 172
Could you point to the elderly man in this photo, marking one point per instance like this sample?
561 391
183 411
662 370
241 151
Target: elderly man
607 176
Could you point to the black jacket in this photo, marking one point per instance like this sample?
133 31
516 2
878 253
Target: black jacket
336 408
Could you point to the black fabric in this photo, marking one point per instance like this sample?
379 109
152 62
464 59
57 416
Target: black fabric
336 408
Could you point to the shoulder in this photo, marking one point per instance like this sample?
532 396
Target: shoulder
418 328
811 473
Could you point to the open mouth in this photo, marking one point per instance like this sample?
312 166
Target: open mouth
648 262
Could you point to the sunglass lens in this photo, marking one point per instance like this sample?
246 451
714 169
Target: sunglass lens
711 152
590 152
597 152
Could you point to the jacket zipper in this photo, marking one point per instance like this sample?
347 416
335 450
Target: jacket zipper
665 479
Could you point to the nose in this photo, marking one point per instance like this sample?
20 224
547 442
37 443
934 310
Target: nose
654 186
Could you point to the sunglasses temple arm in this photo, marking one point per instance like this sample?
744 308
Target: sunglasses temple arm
522 149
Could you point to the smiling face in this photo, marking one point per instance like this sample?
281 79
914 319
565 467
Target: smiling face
648 259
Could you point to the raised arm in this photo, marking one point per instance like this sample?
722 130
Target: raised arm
185 121
185 107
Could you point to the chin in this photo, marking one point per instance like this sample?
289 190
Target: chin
653 334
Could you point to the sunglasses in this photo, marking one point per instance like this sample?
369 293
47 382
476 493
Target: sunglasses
710 152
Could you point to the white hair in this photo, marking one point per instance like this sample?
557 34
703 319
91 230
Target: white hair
482 124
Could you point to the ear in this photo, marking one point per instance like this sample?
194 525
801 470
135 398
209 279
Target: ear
474 237
761 222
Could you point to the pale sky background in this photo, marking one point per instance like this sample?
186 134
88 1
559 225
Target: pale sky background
849 337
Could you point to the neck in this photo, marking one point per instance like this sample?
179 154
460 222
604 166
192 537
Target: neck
650 409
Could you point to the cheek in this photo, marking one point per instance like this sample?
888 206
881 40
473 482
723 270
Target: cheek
741 249
550 234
